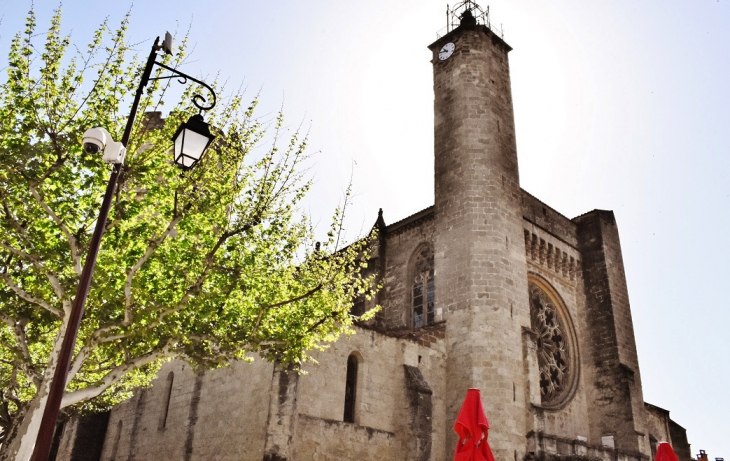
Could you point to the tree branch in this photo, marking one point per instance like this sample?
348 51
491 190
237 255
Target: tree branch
83 354
295 299
35 261
138 265
79 361
321 321
75 257
112 51
18 328
28 297
17 252
288 301
60 160
209 262
115 375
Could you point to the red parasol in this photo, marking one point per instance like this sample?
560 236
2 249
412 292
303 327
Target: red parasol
664 452
472 427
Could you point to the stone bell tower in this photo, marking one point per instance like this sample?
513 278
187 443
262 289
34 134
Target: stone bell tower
478 244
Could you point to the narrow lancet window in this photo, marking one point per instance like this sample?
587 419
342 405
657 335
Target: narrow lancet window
166 404
423 288
350 389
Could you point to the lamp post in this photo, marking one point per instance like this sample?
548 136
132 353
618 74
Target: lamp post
191 140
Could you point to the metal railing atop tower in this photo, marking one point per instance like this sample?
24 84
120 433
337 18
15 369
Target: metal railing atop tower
454 15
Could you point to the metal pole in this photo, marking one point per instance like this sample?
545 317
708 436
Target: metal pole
448 20
58 385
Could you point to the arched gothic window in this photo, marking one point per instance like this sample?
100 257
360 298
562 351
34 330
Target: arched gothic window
350 389
423 288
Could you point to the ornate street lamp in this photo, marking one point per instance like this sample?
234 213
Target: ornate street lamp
191 140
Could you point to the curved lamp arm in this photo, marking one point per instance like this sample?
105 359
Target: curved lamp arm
183 78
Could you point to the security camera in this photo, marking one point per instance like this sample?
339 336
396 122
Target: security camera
94 140
97 140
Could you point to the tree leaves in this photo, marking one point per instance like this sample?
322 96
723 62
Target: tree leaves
211 265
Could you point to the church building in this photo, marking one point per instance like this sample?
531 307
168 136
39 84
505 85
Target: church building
489 288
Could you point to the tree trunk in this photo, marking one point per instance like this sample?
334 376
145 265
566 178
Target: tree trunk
21 440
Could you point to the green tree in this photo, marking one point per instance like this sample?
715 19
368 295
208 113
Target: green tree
209 266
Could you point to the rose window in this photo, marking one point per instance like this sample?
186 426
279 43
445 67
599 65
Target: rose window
554 347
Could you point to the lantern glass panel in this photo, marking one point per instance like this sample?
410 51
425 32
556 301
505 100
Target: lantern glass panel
178 146
194 144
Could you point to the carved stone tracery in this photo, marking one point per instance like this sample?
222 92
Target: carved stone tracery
554 348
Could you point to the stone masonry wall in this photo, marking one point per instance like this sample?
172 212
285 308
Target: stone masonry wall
543 217
82 438
657 426
331 440
661 428
217 415
681 445
237 413
401 241
551 447
382 429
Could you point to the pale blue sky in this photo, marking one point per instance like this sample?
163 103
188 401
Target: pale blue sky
619 104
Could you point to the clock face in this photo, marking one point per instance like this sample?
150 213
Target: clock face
446 51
